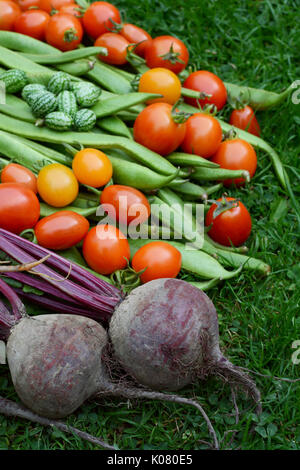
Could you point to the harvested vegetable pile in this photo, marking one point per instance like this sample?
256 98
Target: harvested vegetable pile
119 174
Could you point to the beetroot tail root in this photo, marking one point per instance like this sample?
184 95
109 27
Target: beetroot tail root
10 408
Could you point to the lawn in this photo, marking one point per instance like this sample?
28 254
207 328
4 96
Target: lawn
255 43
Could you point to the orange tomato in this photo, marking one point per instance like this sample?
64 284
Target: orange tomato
161 81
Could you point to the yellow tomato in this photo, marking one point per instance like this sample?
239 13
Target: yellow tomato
161 81
57 185
92 167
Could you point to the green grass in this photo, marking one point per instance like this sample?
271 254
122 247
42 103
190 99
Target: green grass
254 43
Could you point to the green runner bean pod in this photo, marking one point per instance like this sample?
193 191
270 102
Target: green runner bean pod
114 125
110 106
215 174
186 159
65 57
137 176
89 139
258 99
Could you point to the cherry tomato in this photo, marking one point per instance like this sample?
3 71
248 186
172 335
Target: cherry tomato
209 83
156 129
61 230
92 167
32 23
160 259
231 227
245 119
14 173
9 12
130 206
26 4
203 135
236 154
106 249
50 5
161 81
19 207
64 32
168 52
116 46
57 185
97 16
72 9
135 35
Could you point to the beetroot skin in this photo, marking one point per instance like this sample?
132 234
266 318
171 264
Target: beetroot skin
55 362
166 335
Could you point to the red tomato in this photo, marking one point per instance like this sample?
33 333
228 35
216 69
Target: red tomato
72 9
106 249
160 259
163 82
50 5
245 119
64 32
231 227
203 135
14 173
129 204
97 16
156 129
116 46
61 230
168 52
26 4
9 12
236 154
209 83
19 207
32 23
134 35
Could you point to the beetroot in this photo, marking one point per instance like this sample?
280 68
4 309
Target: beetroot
61 355
57 362
165 334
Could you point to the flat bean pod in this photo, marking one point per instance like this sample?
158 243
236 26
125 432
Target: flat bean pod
178 219
110 106
65 57
186 159
189 189
89 139
205 285
46 210
13 60
10 147
258 99
15 106
215 174
114 125
137 176
48 153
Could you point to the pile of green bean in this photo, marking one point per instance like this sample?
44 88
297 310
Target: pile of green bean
173 180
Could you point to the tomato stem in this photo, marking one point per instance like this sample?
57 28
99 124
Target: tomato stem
172 56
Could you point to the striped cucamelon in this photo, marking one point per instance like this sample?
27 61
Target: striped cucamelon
66 102
60 81
59 121
14 80
84 120
43 103
86 94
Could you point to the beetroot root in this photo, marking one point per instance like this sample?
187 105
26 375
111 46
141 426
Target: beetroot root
55 362
166 335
